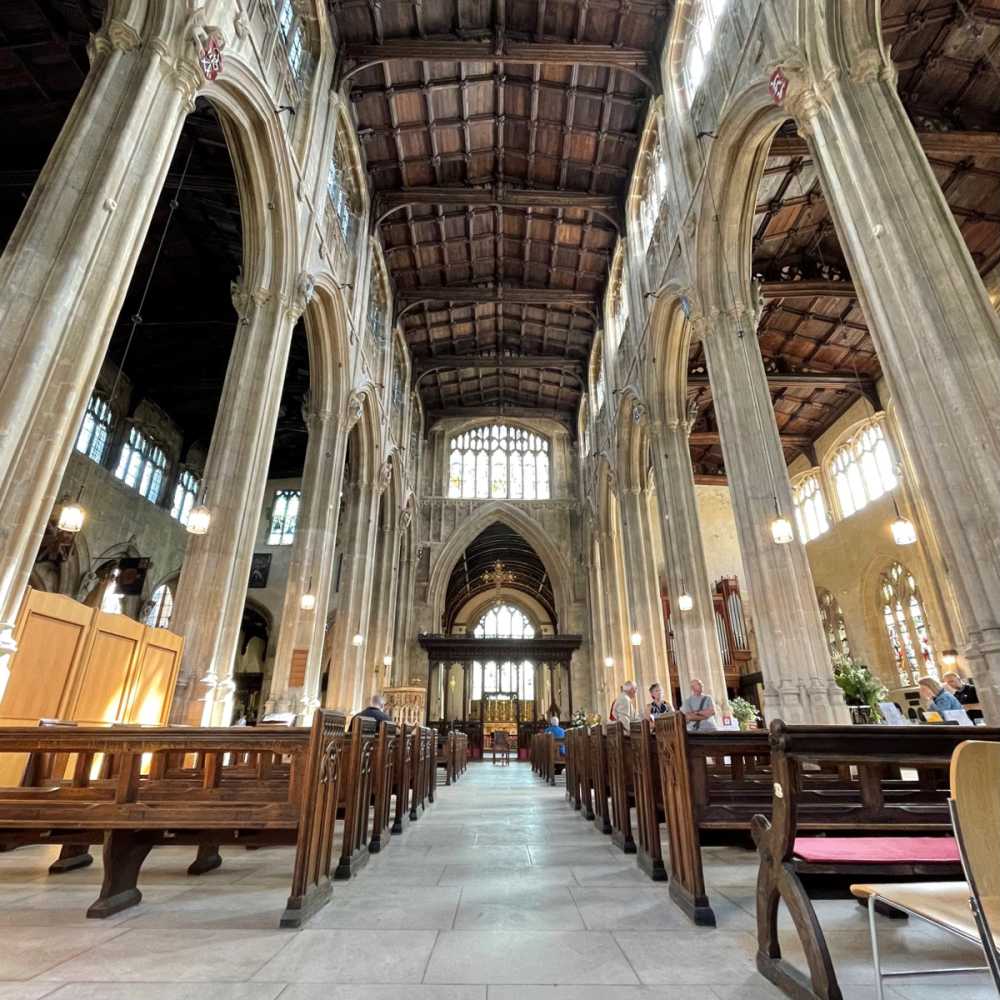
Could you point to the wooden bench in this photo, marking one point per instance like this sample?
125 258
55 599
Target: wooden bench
428 769
403 774
383 774
909 821
597 768
445 757
146 801
649 809
620 780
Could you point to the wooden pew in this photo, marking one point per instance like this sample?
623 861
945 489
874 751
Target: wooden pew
383 773
356 796
133 812
428 774
582 776
445 757
555 762
712 785
880 804
649 810
572 761
620 780
597 766
403 775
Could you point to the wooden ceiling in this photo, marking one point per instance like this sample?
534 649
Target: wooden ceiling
499 138
815 343
497 542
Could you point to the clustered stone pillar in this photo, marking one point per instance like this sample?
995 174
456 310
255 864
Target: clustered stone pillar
212 589
312 564
67 267
649 658
384 598
610 581
696 638
935 330
795 661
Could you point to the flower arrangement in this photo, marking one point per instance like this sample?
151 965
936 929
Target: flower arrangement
859 685
581 717
744 712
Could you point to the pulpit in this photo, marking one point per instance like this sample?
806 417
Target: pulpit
406 705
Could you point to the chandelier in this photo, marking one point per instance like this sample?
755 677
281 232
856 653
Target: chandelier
499 577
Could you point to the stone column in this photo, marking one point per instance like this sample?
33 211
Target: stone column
347 667
403 626
794 659
67 267
935 330
312 564
645 610
611 580
695 635
384 609
211 593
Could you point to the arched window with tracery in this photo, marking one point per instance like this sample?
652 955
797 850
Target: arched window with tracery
597 374
160 608
95 430
863 469
499 461
343 187
378 309
703 31
284 517
810 507
292 40
619 306
906 625
185 495
142 465
834 626
651 188
506 621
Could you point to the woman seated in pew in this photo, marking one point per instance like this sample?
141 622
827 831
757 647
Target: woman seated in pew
936 696
657 706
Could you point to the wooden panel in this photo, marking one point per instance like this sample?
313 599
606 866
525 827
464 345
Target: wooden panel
51 637
101 684
152 689
297 671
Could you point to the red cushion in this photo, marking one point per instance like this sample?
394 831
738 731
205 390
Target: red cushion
876 850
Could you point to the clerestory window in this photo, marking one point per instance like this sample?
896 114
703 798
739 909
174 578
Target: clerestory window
499 461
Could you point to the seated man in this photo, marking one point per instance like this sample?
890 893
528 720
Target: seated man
554 729
699 709
376 710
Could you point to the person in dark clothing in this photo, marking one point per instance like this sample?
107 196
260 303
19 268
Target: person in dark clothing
376 710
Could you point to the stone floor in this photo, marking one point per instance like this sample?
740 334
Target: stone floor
499 892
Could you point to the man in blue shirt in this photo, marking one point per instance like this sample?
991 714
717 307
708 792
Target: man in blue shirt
554 729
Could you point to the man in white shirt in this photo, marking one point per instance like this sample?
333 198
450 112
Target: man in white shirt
699 709
624 711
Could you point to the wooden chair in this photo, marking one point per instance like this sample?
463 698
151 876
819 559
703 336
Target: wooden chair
501 747
969 910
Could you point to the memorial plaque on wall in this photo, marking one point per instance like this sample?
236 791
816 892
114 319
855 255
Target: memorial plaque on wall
132 576
260 569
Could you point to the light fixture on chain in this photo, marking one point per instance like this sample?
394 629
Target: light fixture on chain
357 639
685 602
200 518
903 531
636 638
308 600
72 515
609 661
781 528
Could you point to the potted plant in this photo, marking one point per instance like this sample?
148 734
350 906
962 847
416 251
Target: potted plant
744 712
862 690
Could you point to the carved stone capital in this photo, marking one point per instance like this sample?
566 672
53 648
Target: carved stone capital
354 411
305 289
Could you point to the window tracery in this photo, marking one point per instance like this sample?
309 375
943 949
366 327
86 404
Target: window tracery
95 430
284 517
701 39
810 508
619 302
185 495
906 625
863 469
504 622
161 608
344 189
499 461
142 465
834 625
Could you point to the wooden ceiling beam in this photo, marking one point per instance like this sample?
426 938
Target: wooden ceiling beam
702 479
808 289
933 143
436 415
440 362
493 294
804 380
499 50
497 196
709 438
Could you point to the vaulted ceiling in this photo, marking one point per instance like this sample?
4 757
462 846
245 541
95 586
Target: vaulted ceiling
499 137
813 335
497 542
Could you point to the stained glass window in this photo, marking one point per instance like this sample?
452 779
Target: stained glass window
503 678
906 625
185 494
142 465
95 430
284 517
504 622
810 508
498 460
291 34
343 188
863 469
